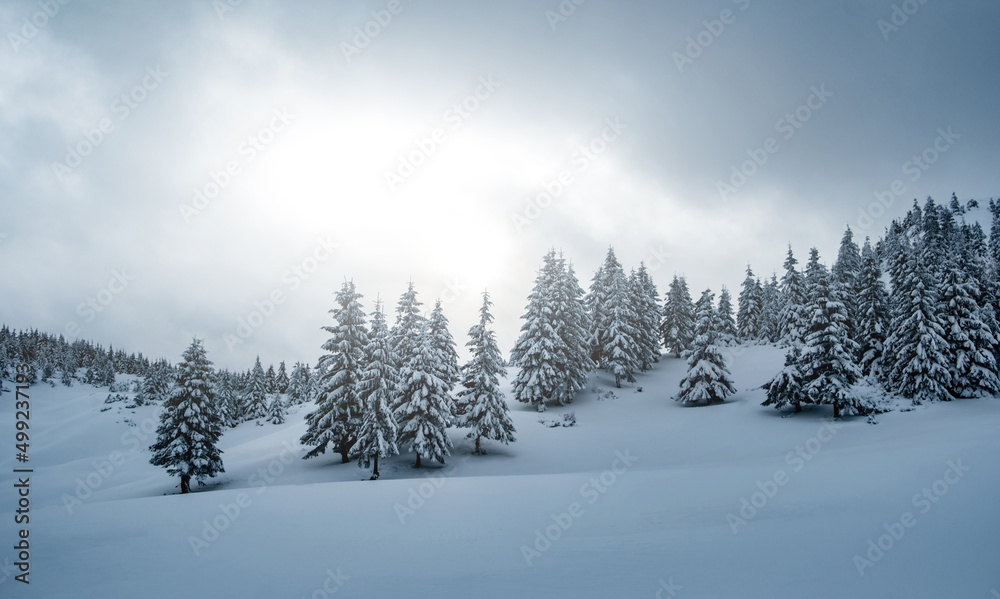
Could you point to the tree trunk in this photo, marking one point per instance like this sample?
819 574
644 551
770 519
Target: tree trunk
798 407
343 456
375 471
836 409
478 451
417 465
185 483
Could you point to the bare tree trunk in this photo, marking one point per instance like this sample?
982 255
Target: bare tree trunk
185 483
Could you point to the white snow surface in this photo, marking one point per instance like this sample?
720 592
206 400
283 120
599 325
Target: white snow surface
656 528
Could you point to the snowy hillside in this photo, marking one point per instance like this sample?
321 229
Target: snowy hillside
642 497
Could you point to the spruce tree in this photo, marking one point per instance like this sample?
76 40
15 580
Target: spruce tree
678 324
725 319
748 315
872 313
270 380
276 409
409 323
646 301
379 383
598 300
827 363
444 344
572 348
708 378
189 427
539 378
618 340
255 394
425 406
480 405
846 273
281 380
793 319
298 384
973 366
337 416
770 311
786 390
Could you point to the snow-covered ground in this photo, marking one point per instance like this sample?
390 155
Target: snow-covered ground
641 498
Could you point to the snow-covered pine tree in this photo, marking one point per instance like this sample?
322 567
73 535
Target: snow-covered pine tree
337 416
785 390
276 409
678 324
270 380
618 340
189 426
971 343
227 404
155 386
646 302
281 380
572 349
255 394
793 318
846 273
915 361
708 378
298 384
770 311
444 344
748 315
597 302
725 319
425 406
379 382
827 362
409 324
480 405
535 352
872 313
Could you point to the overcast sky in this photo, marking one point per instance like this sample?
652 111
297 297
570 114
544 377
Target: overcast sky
385 141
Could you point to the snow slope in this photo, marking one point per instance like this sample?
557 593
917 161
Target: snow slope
642 497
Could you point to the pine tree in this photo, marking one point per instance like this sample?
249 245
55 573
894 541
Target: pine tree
276 410
748 315
535 352
379 383
872 313
646 302
189 427
270 380
725 319
916 361
155 387
598 300
770 311
677 326
298 384
227 404
786 390
281 380
618 340
827 362
572 348
409 323
480 405
337 416
708 378
255 394
444 344
426 408
793 319
846 273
